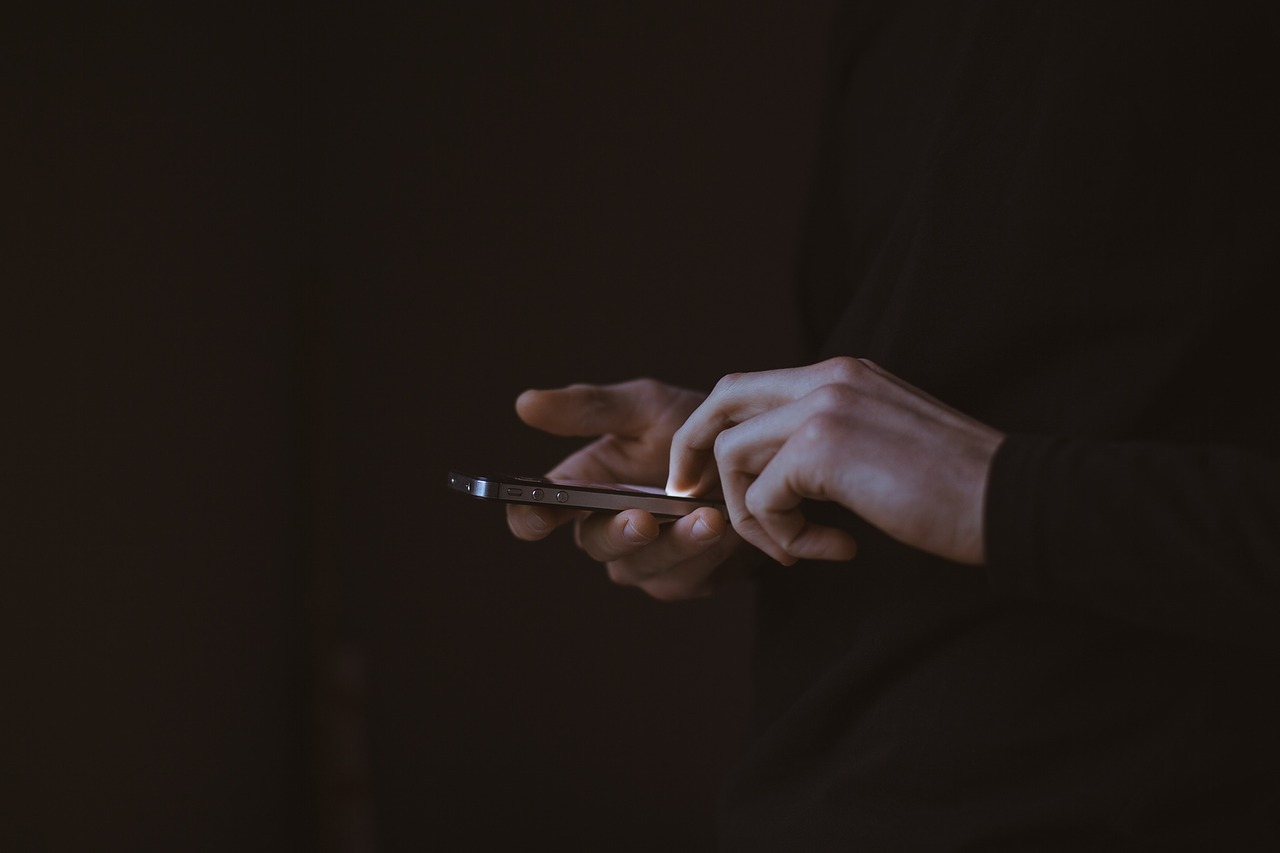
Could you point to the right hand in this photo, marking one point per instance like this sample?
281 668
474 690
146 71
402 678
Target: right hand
632 424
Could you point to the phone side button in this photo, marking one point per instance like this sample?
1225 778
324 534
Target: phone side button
536 494
562 496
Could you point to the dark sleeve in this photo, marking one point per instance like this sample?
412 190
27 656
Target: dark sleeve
1175 538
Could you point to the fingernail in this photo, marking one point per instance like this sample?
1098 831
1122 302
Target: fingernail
704 532
635 535
536 522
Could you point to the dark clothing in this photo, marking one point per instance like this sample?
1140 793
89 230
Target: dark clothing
1060 218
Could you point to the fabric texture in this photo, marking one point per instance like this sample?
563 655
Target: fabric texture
1060 218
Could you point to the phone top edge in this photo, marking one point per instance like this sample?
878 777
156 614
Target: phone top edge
568 495
478 487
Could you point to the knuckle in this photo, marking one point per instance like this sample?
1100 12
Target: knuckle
740 517
834 396
748 525
845 369
819 427
725 447
764 521
681 435
728 382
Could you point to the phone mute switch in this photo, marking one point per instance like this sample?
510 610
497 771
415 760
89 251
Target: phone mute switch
515 493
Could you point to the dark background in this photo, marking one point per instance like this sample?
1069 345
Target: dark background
268 272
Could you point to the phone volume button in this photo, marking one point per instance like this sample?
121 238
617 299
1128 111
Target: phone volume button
536 494
562 496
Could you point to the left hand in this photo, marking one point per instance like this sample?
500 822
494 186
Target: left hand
632 424
843 430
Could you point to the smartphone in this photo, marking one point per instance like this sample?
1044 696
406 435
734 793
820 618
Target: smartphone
578 494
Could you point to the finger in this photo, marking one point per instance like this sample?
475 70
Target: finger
748 448
589 410
687 545
752 444
738 483
607 536
533 523
773 502
737 398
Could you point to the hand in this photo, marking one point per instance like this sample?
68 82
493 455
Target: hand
843 430
632 423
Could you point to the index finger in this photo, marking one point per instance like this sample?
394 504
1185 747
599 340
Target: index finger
625 408
736 398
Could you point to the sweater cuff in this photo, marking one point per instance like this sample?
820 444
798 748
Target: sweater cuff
1013 520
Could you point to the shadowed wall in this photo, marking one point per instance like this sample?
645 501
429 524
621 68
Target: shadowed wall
269 272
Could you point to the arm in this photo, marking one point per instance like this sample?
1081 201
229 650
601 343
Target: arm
1175 537
1171 537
